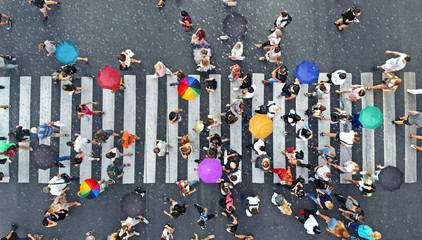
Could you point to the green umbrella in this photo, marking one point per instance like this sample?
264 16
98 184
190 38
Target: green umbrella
371 117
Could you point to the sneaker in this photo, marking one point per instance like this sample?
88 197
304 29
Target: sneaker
196 205
312 179
167 198
363 172
58 4
414 147
144 220
9 24
317 212
272 29
44 18
373 68
160 6
14 227
410 136
59 165
172 84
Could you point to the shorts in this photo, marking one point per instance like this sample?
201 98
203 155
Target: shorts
344 21
406 122
338 135
272 80
43 10
332 224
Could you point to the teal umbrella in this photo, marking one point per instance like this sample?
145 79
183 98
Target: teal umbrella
371 117
67 52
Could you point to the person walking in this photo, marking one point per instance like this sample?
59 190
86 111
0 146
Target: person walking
282 21
204 65
327 152
47 130
273 39
7 62
103 135
282 204
364 231
322 172
366 186
337 77
114 172
20 134
272 55
349 16
285 176
350 208
345 138
167 232
79 143
198 38
258 146
49 46
114 154
321 91
309 222
252 205
161 70
84 111
127 139
185 187
292 118
348 167
263 163
279 75
162 148
290 91
8 21
175 116
9 150
390 85
323 199
229 116
58 184
394 64
204 215
79 159
414 118
304 133
236 72
237 52
210 84
337 116
335 227
12 235
126 58
186 21
180 75
176 209
43 6
356 92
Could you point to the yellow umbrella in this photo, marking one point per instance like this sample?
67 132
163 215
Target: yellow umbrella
261 126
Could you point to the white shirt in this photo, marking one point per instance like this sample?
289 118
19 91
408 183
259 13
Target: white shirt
257 145
49 47
320 172
347 138
309 224
237 52
281 18
80 142
248 94
322 94
274 40
395 63
254 201
271 111
55 187
335 77
238 173
130 221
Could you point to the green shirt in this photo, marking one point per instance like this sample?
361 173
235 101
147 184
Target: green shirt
114 169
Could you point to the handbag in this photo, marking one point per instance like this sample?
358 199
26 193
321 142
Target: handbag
65 177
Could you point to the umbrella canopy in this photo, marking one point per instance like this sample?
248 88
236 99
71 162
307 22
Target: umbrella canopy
133 204
307 72
390 178
235 25
261 125
189 88
371 117
89 188
210 170
109 78
67 52
43 157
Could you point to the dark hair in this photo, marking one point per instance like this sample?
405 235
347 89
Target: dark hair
299 154
307 133
233 177
262 148
334 117
407 58
277 49
301 194
329 175
209 121
201 223
356 10
80 107
201 34
342 75
284 14
121 141
242 105
174 213
250 89
358 210
172 115
12 134
296 88
232 208
68 87
232 117
121 57
322 88
184 13
362 93
266 164
110 155
322 108
180 75
357 140
317 230
69 143
254 210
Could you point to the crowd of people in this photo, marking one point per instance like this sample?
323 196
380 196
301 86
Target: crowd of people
354 218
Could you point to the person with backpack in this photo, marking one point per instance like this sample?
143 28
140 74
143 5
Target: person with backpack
309 222
176 209
282 21
57 185
20 134
271 109
345 138
338 116
9 150
304 133
251 204
43 6
204 215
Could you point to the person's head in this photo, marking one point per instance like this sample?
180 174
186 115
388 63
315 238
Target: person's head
329 205
340 231
397 81
111 174
342 75
406 59
70 144
236 68
204 51
209 121
200 223
356 168
121 141
110 155
362 92
357 210
300 194
361 218
323 88
332 153
163 238
346 117
376 235
79 194
232 208
201 34
46 189
278 33
184 13
41 46
328 175
285 209
254 210
262 148
250 89
295 88
308 134
173 214
357 140
185 148
232 118
67 87
233 178
282 70
157 67
242 105
277 49
288 177
284 14
317 230
34 130
276 108
205 62
156 150
233 165
356 11
121 57
238 45
12 134
52 208
266 163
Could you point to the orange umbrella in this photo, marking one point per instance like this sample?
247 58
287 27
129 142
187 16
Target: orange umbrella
261 126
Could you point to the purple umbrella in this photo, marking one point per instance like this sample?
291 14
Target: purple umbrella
210 170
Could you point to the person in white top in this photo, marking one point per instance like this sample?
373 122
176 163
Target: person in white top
321 91
237 52
346 138
271 109
161 70
131 222
253 205
323 172
57 184
390 85
273 39
248 92
79 143
235 177
259 146
272 55
125 59
349 167
394 64
309 222
282 21
337 78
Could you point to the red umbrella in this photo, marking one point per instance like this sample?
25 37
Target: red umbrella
109 78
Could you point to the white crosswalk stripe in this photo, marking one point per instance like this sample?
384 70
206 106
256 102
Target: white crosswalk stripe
324 126
148 172
236 128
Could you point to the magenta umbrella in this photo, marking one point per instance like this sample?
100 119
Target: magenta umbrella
210 170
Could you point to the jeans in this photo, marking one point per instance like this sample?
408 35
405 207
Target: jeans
267 43
59 159
10 66
314 198
354 226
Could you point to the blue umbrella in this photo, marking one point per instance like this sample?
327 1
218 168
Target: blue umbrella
307 72
67 52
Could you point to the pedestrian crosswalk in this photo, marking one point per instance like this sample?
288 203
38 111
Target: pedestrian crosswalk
144 164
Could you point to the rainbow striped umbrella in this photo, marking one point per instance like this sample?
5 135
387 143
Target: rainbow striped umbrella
90 188
189 88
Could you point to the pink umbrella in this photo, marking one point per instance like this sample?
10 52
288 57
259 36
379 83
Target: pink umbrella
210 170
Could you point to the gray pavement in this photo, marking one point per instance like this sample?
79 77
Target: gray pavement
104 28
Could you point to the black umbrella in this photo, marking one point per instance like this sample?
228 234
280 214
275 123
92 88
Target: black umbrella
133 204
235 25
390 178
43 157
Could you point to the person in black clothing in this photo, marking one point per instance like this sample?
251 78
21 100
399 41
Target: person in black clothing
232 163
20 134
176 209
348 17
291 118
229 116
231 222
297 188
290 91
279 75
246 82
210 84
216 140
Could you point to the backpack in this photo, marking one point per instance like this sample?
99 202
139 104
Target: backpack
11 152
39 3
